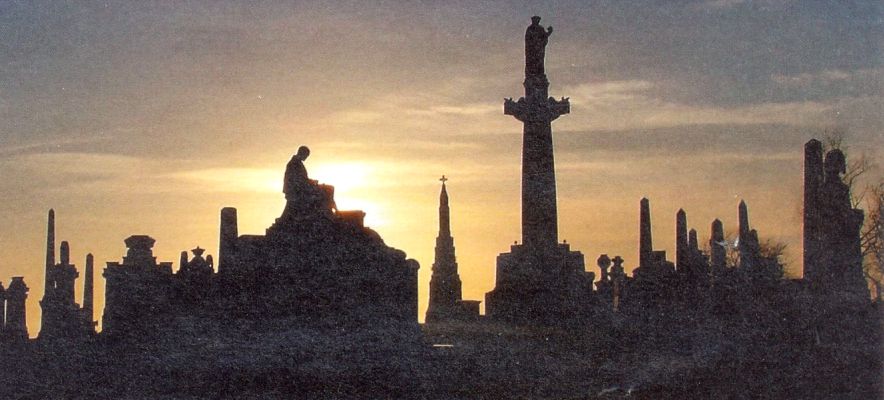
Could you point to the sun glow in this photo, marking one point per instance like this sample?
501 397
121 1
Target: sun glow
345 177
353 189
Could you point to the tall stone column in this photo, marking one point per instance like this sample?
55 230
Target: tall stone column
693 243
228 236
50 253
681 241
66 273
539 280
645 242
536 111
743 213
813 181
88 288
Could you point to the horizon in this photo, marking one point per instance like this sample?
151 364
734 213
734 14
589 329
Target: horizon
156 143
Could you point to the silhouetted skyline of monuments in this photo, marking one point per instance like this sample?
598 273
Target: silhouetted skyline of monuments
320 285
538 281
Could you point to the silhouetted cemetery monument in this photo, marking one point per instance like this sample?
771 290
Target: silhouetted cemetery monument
540 280
320 306
446 297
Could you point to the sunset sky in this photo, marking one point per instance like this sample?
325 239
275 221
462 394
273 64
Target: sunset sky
148 117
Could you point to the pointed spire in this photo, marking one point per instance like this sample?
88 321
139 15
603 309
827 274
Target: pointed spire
445 283
444 212
693 244
88 289
50 250
681 239
645 245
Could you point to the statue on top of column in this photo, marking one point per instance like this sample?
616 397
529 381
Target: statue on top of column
535 47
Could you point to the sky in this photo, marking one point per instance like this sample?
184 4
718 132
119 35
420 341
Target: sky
149 117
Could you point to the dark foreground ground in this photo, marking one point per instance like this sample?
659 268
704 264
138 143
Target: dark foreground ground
814 354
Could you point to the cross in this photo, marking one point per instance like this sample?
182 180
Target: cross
443 179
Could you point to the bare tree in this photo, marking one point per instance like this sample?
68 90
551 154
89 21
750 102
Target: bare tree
771 251
858 166
872 240
775 252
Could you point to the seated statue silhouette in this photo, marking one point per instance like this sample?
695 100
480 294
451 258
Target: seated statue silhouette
296 175
305 195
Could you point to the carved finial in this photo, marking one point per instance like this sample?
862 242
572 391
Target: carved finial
198 251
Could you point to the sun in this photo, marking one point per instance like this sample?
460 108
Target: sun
353 188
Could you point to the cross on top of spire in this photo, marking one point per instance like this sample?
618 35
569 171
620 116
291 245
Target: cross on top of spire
443 179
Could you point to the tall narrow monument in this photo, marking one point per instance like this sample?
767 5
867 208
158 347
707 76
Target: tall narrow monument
813 181
717 248
692 265
682 243
645 242
89 289
61 316
228 235
50 253
536 111
540 280
748 245
446 301
652 264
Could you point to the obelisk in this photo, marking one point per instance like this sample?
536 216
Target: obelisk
812 230
50 253
89 289
536 111
682 244
645 242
